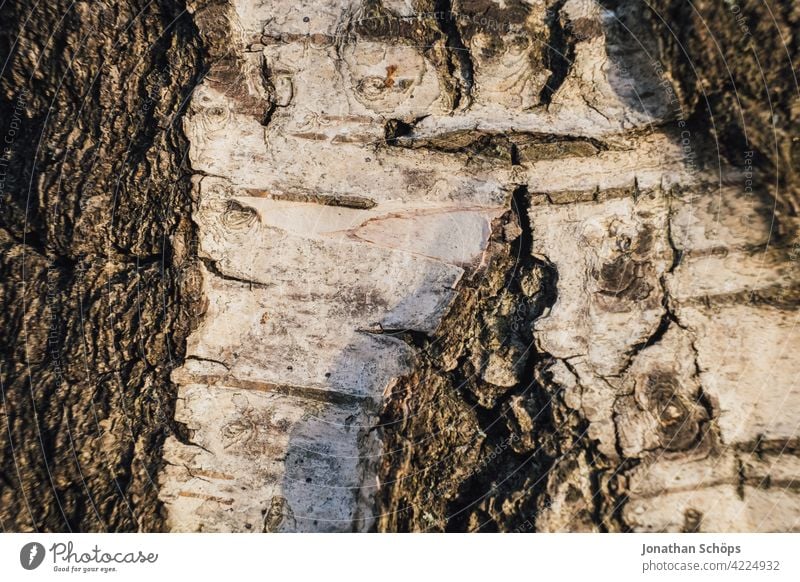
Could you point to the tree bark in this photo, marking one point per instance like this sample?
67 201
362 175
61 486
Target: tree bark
440 266
97 282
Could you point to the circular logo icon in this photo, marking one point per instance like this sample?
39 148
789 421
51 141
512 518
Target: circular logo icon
31 555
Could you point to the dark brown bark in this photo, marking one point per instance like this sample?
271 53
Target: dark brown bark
97 281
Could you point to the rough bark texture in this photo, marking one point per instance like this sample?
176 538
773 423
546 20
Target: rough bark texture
661 393
97 282
464 266
735 65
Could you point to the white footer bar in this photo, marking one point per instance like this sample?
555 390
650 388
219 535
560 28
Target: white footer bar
396 557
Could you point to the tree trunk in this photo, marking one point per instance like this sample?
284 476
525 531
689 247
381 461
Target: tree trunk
460 266
97 284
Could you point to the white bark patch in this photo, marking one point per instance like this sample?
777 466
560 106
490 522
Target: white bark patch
323 242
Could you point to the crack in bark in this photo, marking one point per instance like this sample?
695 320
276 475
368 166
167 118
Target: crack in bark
515 147
521 433
211 266
412 337
338 200
210 360
460 60
319 394
559 53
